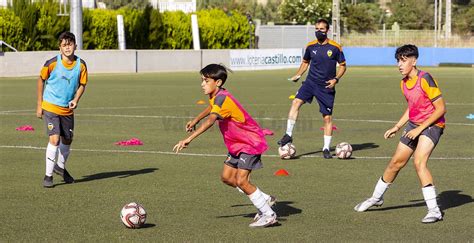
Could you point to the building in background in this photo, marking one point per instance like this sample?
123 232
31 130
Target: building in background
5 3
187 6
85 3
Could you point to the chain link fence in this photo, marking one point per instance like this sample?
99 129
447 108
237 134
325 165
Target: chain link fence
297 36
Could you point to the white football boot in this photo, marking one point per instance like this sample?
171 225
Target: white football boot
363 206
433 215
271 201
265 221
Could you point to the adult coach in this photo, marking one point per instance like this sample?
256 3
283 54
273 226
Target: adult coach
321 56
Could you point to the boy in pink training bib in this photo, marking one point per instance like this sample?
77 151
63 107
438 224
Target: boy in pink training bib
243 138
424 119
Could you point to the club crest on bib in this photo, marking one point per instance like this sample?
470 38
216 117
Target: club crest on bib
50 126
329 53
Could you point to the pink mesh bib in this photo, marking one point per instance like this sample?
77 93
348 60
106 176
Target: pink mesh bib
242 137
419 104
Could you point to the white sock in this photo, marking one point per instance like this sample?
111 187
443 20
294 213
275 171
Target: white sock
260 203
266 196
51 158
290 124
63 154
429 193
327 142
380 188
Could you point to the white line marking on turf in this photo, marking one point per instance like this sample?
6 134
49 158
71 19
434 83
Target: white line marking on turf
257 118
174 106
208 155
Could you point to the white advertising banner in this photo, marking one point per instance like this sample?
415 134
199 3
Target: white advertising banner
259 59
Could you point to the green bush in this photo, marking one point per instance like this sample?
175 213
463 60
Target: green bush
49 26
36 26
177 31
136 27
220 31
11 29
156 30
103 29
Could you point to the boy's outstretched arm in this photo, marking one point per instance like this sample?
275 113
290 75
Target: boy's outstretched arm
206 125
403 120
191 124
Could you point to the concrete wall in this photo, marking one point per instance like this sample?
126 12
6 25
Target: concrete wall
17 64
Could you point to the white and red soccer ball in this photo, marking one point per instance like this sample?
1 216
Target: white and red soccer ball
287 151
133 215
343 150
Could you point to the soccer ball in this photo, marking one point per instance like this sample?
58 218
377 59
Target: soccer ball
343 150
133 215
287 151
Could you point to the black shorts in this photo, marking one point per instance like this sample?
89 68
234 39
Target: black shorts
244 161
59 125
433 132
324 96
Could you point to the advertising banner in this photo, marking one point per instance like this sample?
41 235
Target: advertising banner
260 59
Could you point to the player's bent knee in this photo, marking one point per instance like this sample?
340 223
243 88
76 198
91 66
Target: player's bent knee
242 182
296 103
327 118
396 165
228 181
54 140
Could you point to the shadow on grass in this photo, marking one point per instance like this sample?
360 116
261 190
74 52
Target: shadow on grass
355 147
147 226
446 200
283 209
107 175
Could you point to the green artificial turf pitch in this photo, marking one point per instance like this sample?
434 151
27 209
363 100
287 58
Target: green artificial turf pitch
183 195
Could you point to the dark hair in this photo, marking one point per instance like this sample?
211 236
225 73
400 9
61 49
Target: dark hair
323 21
68 36
216 72
406 51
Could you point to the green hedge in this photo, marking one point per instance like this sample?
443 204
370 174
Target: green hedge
36 26
11 28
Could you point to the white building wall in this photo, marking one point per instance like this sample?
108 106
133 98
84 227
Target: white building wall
188 6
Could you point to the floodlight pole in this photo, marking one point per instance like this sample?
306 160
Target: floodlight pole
75 21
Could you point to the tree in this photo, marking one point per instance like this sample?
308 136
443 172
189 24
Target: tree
412 14
463 19
363 17
305 11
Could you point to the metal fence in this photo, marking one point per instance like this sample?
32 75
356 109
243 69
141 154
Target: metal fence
297 36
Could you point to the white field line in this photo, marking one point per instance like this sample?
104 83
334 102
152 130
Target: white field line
174 106
207 155
257 118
